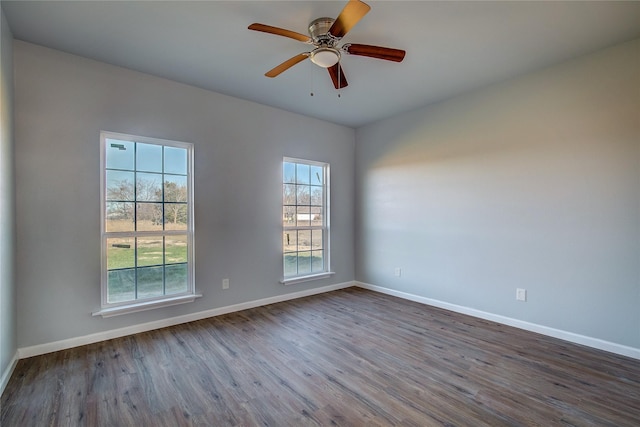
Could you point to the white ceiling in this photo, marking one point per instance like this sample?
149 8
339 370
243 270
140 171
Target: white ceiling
451 47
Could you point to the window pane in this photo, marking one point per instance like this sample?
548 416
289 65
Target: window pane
304 240
148 187
121 285
316 175
289 194
175 216
176 278
302 173
119 217
120 253
120 185
303 195
175 160
175 249
150 282
289 215
288 172
119 154
148 157
316 196
316 216
303 216
290 264
316 239
304 262
149 216
289 241
316 261
149 251
175 188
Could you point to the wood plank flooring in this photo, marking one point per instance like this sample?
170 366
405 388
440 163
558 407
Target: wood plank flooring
350 358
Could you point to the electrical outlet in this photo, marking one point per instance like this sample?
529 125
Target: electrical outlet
521 294
225 283
397 272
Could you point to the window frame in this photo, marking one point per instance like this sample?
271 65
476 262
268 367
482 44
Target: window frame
116 308
325 227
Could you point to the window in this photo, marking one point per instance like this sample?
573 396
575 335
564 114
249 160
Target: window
305 215
147 223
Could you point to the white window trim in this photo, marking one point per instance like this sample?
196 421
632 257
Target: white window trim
307 278
145 305
292 280
125 307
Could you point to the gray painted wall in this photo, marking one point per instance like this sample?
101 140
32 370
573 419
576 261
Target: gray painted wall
63 101
533 183
7 202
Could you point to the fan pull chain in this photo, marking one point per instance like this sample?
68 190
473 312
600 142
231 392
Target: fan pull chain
311 76
339 75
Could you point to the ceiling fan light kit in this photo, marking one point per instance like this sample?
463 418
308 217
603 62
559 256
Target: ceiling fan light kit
325 57
324 35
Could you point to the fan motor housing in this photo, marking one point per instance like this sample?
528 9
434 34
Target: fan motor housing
319 32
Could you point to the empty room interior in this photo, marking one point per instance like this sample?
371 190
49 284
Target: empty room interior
320 213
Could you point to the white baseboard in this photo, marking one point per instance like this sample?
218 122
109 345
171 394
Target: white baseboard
7 372
544 330
39 349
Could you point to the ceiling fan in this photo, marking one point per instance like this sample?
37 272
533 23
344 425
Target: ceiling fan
324 35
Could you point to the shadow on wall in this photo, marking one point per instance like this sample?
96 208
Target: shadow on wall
531 183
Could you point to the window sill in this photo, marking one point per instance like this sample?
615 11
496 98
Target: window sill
143 306
300 279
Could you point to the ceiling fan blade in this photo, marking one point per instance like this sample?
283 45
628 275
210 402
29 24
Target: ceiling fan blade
287 64
378 52
280 32
337 75
352 13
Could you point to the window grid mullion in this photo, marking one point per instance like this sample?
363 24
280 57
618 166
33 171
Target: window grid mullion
135 220
303 227
113 234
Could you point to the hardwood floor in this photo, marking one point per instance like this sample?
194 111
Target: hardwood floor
349 357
